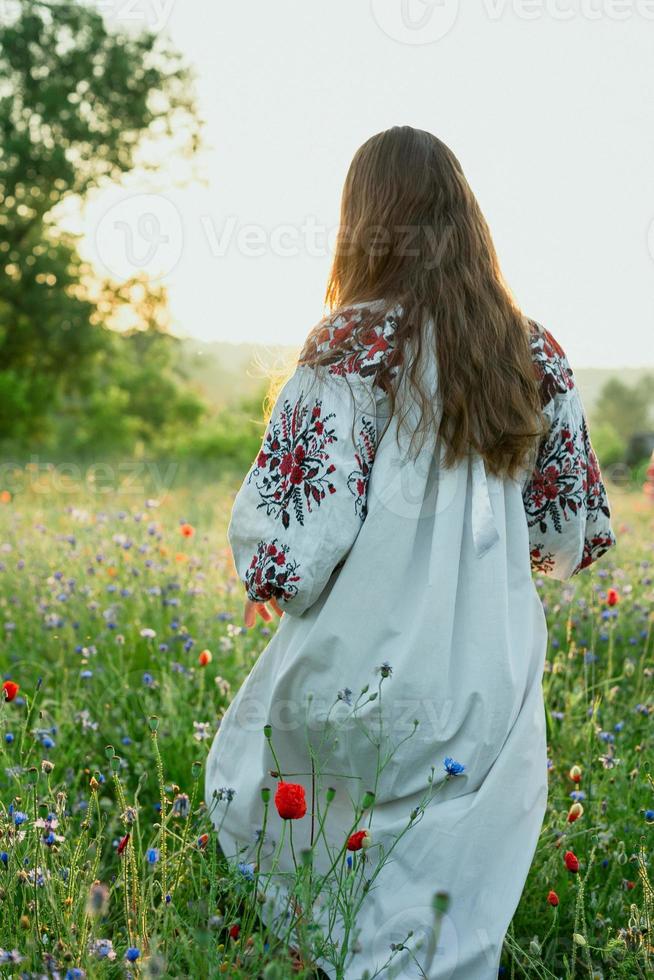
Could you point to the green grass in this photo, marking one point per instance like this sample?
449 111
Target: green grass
84 572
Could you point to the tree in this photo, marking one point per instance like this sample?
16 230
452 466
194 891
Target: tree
626 409
135 394
77 102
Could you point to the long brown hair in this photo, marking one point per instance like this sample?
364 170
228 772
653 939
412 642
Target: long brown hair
412 235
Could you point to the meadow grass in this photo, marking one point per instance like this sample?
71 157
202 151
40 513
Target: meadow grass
108 859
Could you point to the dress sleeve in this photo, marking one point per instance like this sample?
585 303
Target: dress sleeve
565 499
302 503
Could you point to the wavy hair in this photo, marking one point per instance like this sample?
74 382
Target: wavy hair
412 236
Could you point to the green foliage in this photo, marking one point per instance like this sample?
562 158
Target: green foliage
77 102
626 408
92 675
608 445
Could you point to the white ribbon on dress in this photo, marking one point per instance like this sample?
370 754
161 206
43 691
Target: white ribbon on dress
452 482
484 528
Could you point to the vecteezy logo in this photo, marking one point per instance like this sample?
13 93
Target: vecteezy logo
151 14
141 233
416 21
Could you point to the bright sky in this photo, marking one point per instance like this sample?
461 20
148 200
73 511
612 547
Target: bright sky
547 103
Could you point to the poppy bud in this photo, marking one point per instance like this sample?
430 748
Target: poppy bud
575 811
552 899
360 839
571 861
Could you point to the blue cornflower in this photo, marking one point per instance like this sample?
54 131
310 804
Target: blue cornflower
345 695
649 816
619 726
577 795
132 954
4 857
49 839
247 870
152 855
9 737
85 674
453 768
148 680
20 817
47 742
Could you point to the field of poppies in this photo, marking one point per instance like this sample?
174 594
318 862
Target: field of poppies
122 645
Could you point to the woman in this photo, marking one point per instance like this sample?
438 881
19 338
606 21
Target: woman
429 452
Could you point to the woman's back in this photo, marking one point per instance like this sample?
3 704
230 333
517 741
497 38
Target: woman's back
414 634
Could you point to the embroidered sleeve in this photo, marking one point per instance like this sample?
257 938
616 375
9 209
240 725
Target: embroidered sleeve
565 500
302 503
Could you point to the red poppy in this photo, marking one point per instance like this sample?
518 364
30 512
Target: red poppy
204 658
290 801
552 899
234 931
124 841
612 597
10 689
358 840
571 861
187 530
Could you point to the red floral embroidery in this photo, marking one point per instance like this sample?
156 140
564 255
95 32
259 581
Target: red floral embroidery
541 560
292 469
271 573
552 367
557 486
367 351
594 548
357 481
566 483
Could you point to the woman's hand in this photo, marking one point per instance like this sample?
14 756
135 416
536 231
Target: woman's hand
252 609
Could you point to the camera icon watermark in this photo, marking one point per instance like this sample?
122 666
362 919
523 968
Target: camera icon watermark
140 233
415 21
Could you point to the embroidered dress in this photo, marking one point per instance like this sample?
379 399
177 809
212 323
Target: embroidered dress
412 582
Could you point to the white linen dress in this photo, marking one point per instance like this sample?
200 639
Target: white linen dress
381 559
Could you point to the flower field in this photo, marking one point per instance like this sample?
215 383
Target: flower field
122 646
